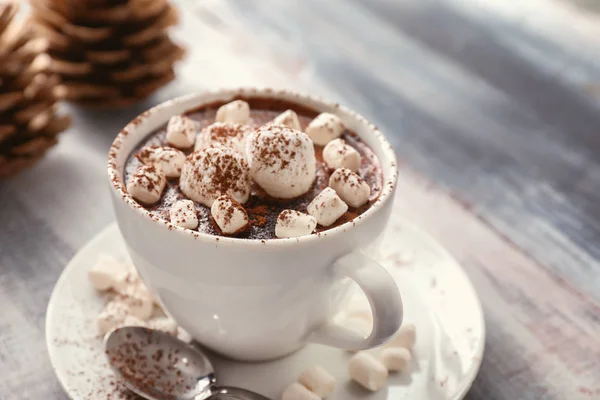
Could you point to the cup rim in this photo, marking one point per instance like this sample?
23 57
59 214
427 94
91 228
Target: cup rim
116 174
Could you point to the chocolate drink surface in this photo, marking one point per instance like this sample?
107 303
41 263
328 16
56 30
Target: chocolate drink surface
262 209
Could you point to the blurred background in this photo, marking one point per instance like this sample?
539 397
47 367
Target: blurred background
493 108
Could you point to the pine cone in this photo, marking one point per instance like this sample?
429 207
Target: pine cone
29 123
109 53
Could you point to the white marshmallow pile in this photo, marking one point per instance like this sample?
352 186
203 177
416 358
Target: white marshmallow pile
147 184
313 384
229 215
292 223
215 171
237 111
167 160
288 118
281 160
224 134
130 302
327 207
351 188
324 128
183 213
181 131
337 154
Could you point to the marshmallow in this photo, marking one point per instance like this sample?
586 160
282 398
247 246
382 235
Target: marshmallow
292 223
288 118
281 160
226 134
183 213
128 277
395 358
350 187
327 207
181 131
131 320
164 324
183 335
318 381
229 215
237 111
324 128
113 315
337 154
366 370
138 300
166 159
106 272
405 337
215 171
146 184
296 391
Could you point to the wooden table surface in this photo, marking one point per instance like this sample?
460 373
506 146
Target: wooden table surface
494 110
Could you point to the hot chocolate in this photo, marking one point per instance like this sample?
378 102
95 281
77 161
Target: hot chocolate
249 161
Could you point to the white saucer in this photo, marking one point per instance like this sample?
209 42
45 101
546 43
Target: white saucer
438 299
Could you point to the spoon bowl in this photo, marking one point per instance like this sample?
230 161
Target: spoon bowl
158 366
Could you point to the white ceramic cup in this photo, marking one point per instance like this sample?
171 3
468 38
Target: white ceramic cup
260 299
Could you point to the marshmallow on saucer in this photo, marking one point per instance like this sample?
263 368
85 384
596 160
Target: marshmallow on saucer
146 184
113 315
281 160
297 391
106 272
395 358
215 171
183 214
131 320
324 128
337 154
288 118
164 324
229 215
138 300
366 370
292 223
405 337
226 134
237 111
327 207
318 381
350 187
166 159
181 131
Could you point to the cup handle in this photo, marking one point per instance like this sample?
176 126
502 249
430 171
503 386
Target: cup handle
386 305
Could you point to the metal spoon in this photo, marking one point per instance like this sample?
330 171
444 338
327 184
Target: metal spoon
158 366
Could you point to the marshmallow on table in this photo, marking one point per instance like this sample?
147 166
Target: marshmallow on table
113 315
327 207
181 131
106 272
366 370
318 381
288 118
237 111
229 215
147 184
164 324
292 223
215 171
166 159
324 128
281 160
138 300
350 187
405 337
296 391
337 154
183 213
226 134
395 358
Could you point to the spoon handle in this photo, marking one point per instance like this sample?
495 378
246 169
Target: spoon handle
234 393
